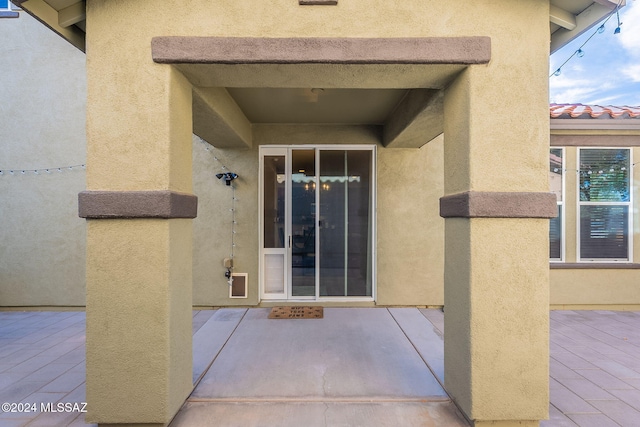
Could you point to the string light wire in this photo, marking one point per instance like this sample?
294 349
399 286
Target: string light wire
611 168
579 52
234 223
38 171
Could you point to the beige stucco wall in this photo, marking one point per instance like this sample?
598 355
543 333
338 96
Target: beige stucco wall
143 127
496 269
595 289
138 120
404 274
409 264
409 185
42 125
212 227
409 268
42 260
587 287
410 230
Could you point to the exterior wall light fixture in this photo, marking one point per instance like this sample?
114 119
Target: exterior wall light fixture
228 177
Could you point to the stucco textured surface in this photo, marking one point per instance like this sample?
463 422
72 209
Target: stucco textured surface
496 269
139 130
409 268
47 76
212 228
479 204
494 364
139 271
410 263
138 303
136 204
323 50
155 141
42 125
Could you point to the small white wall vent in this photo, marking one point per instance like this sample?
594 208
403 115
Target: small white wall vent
238 288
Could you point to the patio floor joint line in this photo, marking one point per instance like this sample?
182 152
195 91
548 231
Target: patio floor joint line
204 372
460 411
422 399
419 354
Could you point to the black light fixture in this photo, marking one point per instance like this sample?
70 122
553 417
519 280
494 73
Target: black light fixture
228 177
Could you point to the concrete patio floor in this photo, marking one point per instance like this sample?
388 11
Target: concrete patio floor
356 366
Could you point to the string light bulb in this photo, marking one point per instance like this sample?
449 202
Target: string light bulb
40 171
580 53
617 30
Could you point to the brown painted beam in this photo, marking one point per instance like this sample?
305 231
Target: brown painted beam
163 204
484 204
249 50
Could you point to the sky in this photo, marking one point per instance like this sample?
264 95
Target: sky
609 71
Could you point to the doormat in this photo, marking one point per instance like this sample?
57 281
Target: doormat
296 312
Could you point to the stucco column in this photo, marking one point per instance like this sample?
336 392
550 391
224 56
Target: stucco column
139 210
497 206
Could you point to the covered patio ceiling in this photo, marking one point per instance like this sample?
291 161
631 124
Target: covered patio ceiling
389 89
397 100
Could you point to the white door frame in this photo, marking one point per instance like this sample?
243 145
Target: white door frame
272 151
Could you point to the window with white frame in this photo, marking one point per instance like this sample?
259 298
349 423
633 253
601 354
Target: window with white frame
556 184
604 204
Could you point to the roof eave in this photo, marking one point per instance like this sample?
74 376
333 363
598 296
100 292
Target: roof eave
583 21
69 22
595 124
50 17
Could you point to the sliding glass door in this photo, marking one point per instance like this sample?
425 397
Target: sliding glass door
317 223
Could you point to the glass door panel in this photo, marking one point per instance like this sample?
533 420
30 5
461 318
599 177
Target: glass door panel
333 222
274 226
303 223
274 201
345 223
360 230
